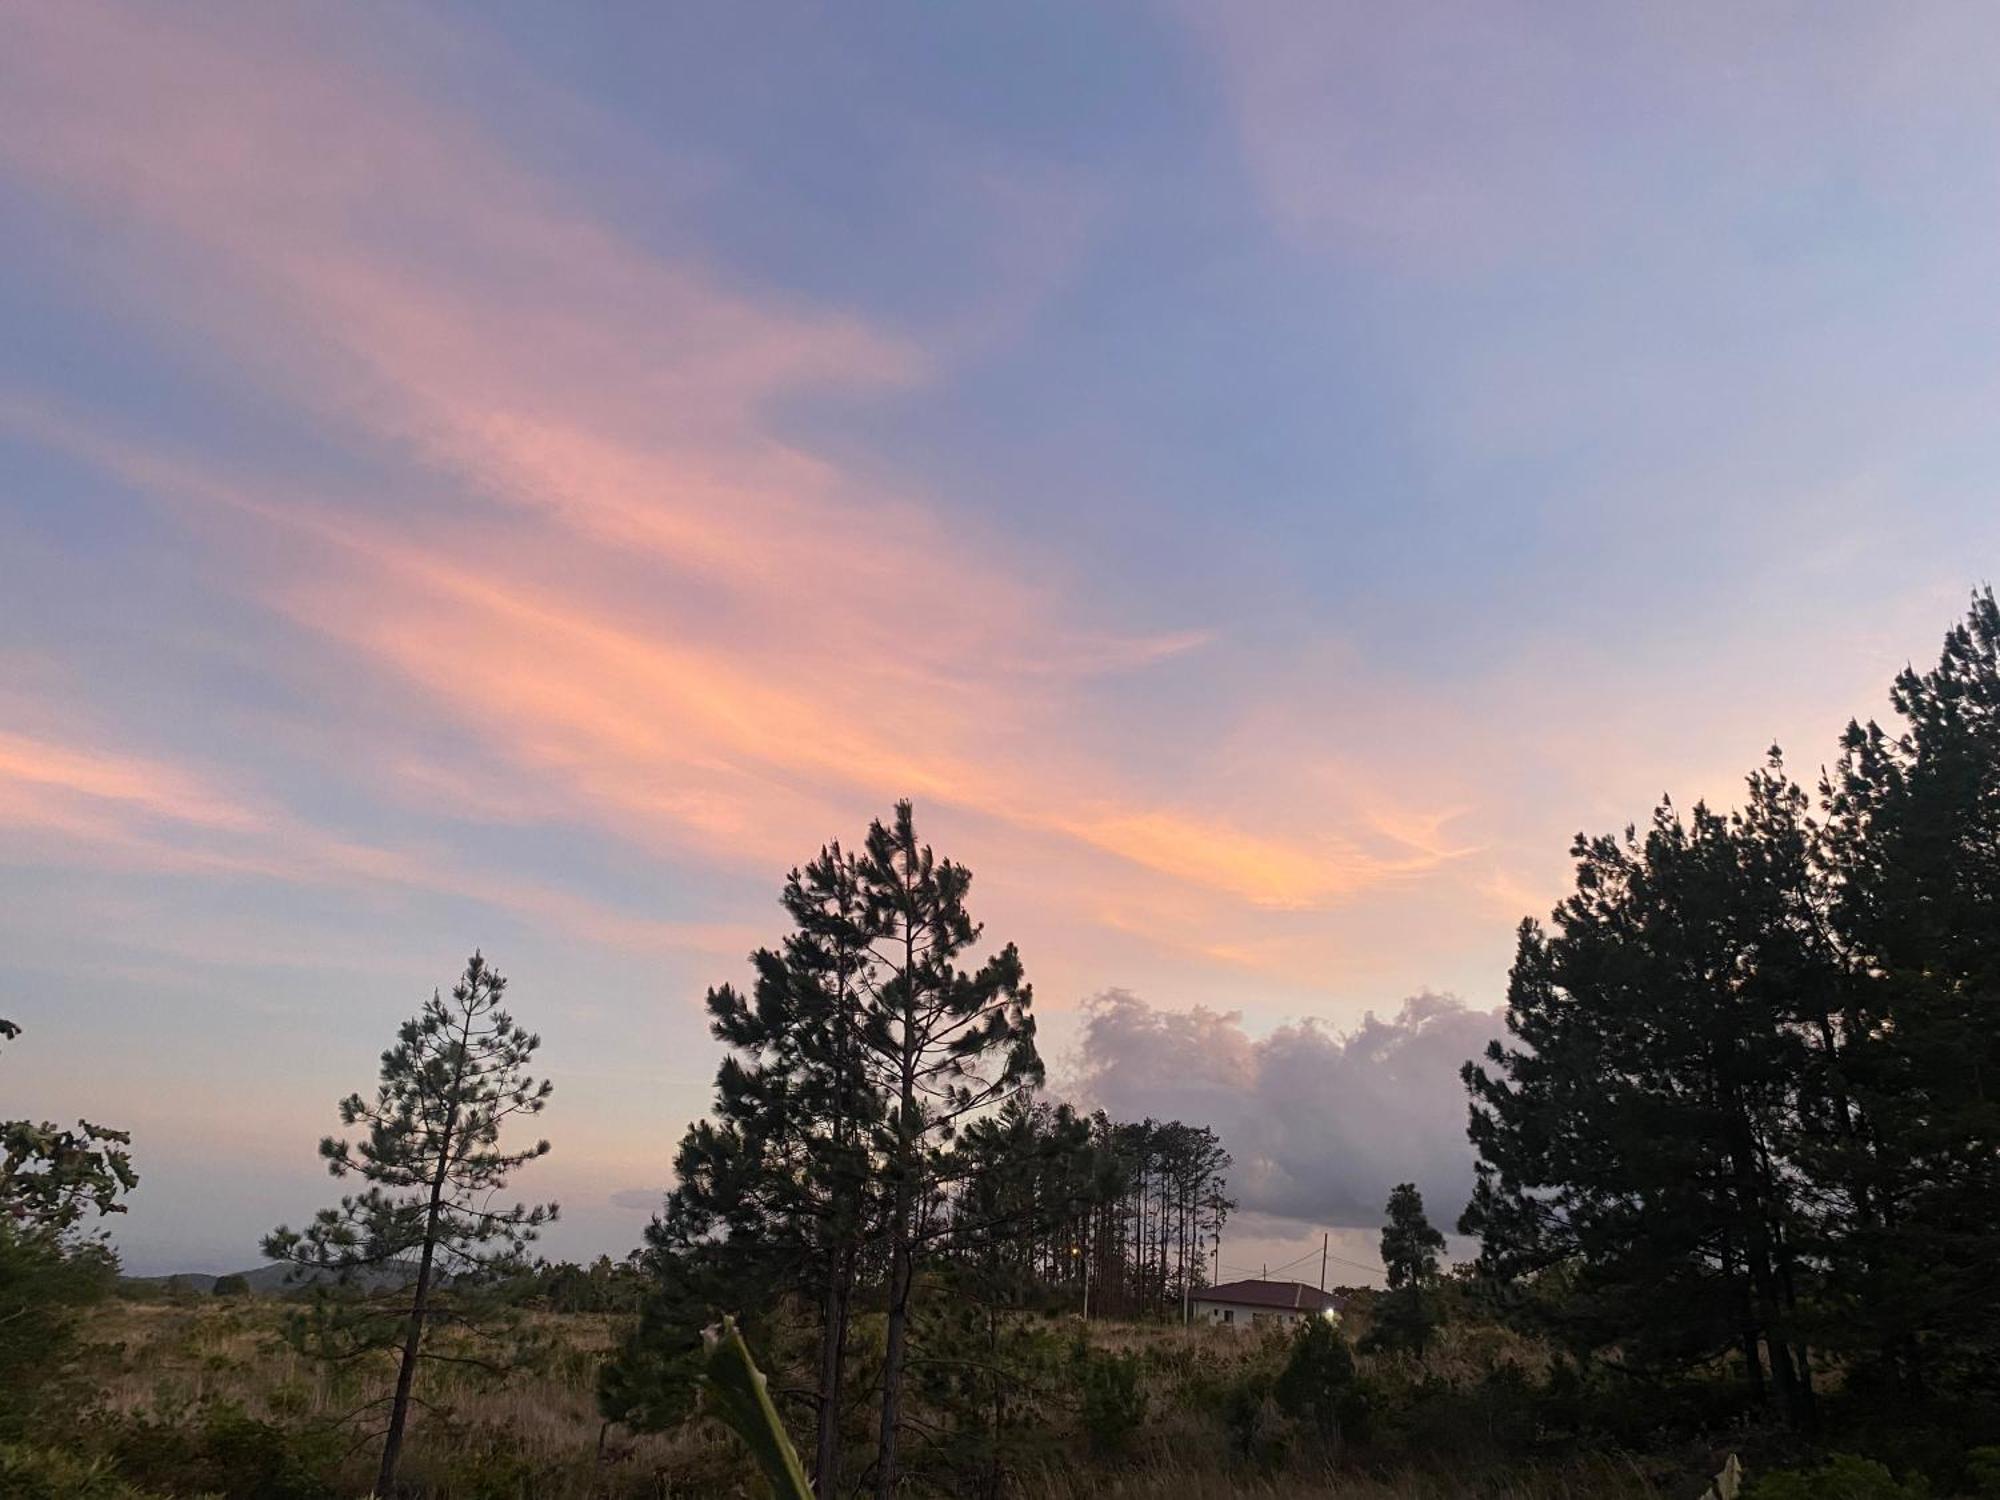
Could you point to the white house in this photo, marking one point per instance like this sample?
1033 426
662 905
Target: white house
1242 1304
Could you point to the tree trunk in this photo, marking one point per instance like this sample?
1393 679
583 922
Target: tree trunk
413 1336
832 1371
892 1353
901 1251
406 1374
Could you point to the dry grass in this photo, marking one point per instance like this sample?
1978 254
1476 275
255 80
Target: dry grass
1597 1481
540 1438
163 1358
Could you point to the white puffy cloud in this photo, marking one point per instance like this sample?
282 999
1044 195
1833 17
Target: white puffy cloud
1322 1124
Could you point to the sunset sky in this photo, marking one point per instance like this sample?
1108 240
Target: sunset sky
1260 476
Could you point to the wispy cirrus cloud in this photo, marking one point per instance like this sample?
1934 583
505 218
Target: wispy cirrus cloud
703 630
138 813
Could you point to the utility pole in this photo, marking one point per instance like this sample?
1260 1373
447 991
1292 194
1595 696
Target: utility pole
1324 1240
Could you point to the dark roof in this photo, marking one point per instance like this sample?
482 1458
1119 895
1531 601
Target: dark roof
1294 1296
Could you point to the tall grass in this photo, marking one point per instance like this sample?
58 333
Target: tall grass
538 1436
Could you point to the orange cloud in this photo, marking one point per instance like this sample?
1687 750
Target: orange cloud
40 772
601 556
141 814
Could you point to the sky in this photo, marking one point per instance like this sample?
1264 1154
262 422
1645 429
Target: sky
1260 477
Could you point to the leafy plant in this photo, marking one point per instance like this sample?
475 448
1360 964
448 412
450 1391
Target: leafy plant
1113 1404
1317 1386
736 1394
1842 1477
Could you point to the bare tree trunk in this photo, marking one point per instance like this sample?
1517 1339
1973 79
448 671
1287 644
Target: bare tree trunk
893 1349
832 1377
901 1250
413 1336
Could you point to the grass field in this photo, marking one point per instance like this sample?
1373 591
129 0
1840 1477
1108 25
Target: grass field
539 1435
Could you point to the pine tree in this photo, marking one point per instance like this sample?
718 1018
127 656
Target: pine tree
1634 1135
942 1041
1410 1249
775 1193
1913 840
425 1230
1317 1385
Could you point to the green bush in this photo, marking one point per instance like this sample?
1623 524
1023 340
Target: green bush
1841 1477
216 1448
46 1280
1113 1406
1317 1386
44 1474
1982 1472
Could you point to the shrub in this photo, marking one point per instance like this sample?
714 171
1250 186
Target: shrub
216 1448
45 1282
1841 1477
1113 1406
44 1474
1317 1386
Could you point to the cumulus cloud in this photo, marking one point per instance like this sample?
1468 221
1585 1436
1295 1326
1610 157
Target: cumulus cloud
1322 1123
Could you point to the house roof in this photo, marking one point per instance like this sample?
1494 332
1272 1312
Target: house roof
1293 1296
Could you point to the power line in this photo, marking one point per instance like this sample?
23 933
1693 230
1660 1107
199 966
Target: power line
1357 1265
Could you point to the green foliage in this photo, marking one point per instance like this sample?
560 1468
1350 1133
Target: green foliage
51 1177
942 1038
1409 1313
1112 1404
1982 1472
1318 1387
31 1473
604 1286
1252 1424
734 1391
865 1047
1749 1110
1841 1477
776 1194
217 1449
431 1156
47 1281
652 1381
427 1240
232 1285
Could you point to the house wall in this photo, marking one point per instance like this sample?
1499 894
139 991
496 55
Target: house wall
1243 1315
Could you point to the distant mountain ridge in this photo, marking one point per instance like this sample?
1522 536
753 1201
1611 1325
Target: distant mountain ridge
269 1280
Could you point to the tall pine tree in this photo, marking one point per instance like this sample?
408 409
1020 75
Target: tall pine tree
775 1194
426 1230
1913 1174
1632 1138
943 1041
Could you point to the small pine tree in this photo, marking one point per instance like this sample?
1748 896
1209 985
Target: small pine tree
424 1231
1410 1249
1317 1385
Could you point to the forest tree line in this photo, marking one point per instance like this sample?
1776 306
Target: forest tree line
1750 1110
